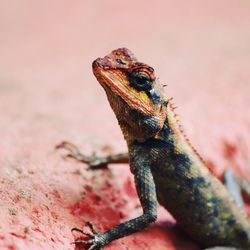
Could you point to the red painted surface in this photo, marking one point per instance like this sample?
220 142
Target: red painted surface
48 94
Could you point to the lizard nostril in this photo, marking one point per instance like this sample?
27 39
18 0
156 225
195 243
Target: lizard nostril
96 63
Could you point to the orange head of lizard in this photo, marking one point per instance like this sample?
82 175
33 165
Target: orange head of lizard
133 93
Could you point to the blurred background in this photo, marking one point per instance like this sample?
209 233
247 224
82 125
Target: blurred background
48 93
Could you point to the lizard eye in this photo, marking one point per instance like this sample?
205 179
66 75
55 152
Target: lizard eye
118 60
140 79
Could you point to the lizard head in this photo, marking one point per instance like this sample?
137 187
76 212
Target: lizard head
133 93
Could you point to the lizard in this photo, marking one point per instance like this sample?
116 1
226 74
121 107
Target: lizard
166 167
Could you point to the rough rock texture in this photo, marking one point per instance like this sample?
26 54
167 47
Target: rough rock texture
48 94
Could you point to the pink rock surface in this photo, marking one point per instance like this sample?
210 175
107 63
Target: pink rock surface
48 94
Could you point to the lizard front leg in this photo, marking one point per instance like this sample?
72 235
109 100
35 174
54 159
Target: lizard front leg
93 161
147 194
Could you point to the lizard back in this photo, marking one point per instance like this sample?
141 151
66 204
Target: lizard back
198 201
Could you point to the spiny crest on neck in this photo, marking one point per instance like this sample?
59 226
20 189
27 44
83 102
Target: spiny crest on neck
179 126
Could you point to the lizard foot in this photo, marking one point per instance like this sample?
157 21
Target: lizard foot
93 161
95 239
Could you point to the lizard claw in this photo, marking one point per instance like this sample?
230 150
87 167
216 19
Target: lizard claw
94 241
93 161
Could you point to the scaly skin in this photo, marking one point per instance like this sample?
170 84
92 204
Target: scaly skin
165 165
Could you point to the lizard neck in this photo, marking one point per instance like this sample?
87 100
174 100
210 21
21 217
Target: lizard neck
173 132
